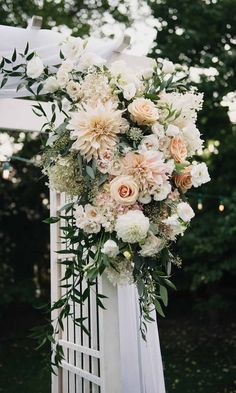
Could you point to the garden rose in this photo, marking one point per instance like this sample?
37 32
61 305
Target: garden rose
200 174
178 149
73 89
152 245
185 212
143 111
183 180
50 85
110 248
124 190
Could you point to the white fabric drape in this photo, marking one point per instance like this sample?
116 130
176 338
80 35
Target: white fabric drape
142 363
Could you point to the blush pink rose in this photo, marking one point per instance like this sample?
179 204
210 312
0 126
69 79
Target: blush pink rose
124 190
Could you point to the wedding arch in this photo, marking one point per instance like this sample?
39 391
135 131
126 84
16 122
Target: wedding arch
113 358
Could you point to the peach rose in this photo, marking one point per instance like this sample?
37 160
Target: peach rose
178 149
184 180
143 111
124 190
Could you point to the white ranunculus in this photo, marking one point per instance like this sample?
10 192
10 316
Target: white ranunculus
200 174
185 212
34 67
50 85
110 248
172 130
175 226
168 67
62 78
152 245
192 138
132 227
129 91
161 193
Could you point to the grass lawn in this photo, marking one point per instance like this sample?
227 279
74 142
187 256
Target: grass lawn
198 357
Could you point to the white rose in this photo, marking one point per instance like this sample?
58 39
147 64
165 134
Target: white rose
129 91
200 174
152 245
50 85
132 227
192 138
34 67
185 212
73 47
62 78
147 73
73 89
168 67
110 248
149 142
172 130
161 193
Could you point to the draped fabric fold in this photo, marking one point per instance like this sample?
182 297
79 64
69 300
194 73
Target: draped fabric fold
45 43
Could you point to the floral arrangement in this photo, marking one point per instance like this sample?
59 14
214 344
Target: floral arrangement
124 154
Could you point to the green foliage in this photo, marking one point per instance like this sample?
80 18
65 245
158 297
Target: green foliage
202 34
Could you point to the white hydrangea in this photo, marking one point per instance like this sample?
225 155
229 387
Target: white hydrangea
185 212
200 174
110 248
90 59
192 137
132 227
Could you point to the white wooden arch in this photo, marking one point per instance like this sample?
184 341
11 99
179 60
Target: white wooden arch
94 364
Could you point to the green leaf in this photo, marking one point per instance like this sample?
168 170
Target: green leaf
51 220
158 307
90 172
14 56
164 295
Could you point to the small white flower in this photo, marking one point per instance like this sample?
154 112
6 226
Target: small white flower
90 59
144 197
172 130
129 91
152 245
185 212
73 89
149 142
50 85
200 174
62 78
168 67
158 129
67 65
110 248
175 225
147 73
161 193
132 227
35 67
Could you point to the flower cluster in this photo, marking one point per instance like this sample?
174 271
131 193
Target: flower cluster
127 149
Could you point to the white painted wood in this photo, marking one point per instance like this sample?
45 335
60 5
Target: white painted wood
17 114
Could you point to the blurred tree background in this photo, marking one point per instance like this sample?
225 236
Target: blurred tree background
202 35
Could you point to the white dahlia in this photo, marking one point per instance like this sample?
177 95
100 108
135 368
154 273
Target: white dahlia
95 129
132 227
